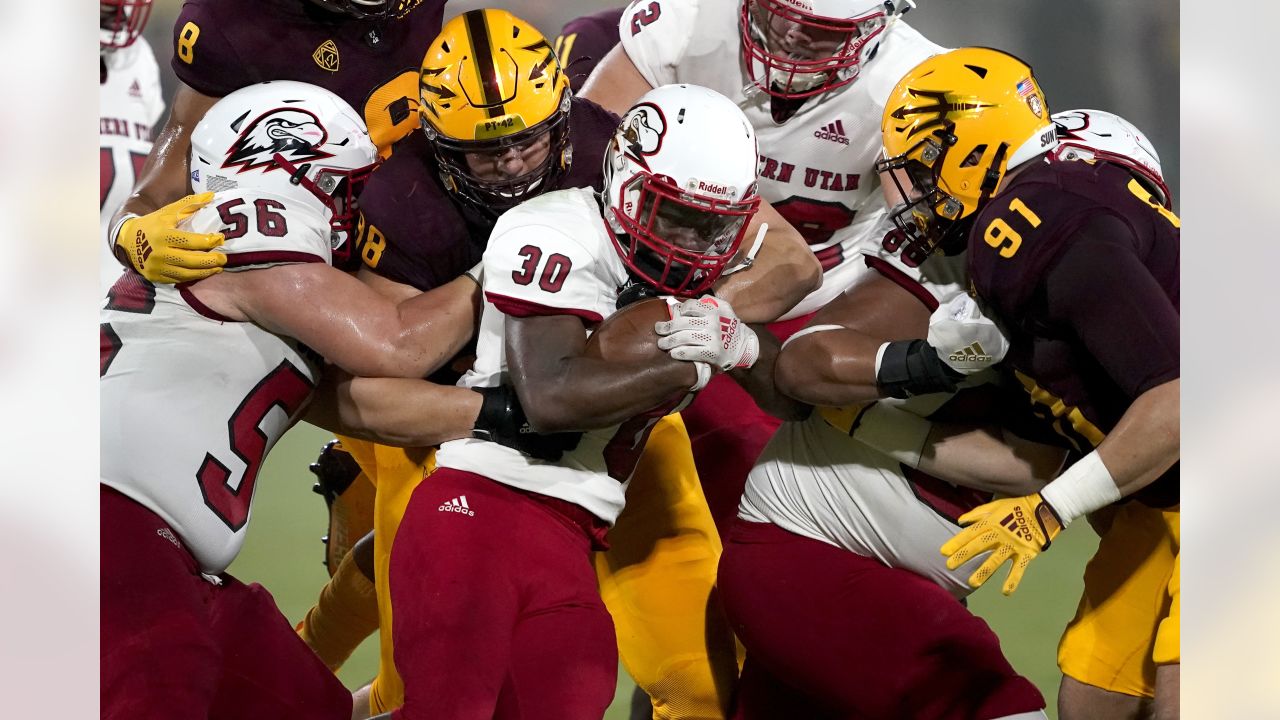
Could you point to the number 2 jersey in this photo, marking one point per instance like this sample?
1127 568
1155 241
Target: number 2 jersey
1079 264
551 255
192 402
817 167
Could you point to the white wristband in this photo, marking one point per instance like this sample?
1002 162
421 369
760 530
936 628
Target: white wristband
704 376
1083 488
477 273
897 433
880 356
811 330
115 231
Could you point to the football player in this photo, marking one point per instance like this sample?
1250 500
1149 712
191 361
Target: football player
1078 261
812 78
365 51
831 576
471 163
509 575
129 104
287 159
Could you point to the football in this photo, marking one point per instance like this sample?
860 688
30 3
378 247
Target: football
627 336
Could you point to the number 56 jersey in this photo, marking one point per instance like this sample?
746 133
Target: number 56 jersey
191 401
551 255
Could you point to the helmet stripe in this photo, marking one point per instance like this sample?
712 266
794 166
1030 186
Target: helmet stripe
482 52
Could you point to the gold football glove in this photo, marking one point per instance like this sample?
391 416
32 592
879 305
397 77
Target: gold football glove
155 247
1014 529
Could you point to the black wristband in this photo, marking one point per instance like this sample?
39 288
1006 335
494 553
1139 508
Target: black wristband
497 413
912 367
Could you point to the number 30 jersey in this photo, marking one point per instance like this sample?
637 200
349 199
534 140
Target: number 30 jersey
816 167
551 255
191 401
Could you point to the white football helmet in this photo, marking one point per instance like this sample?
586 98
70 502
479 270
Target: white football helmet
799 48
120 22
1100 135
287 138
680 187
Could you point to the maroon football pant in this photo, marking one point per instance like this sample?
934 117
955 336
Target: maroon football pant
495 611
176 645
727 432
832 634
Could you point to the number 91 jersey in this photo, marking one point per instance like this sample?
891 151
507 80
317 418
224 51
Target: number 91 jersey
550 255
816 167
191 401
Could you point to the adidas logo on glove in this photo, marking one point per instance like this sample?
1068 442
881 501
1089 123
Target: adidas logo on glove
971 353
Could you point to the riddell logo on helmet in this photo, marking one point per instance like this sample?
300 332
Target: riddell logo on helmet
713 189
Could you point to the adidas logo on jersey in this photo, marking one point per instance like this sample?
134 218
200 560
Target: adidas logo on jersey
833 132
458 505
971 353
135 90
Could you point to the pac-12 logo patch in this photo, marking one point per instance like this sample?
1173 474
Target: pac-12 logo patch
326 56
294 133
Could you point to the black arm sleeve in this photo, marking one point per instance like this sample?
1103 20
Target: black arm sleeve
1100 288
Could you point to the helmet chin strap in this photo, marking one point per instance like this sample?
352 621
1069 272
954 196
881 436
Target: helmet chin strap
750 257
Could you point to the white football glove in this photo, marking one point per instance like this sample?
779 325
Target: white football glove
707 330
965 339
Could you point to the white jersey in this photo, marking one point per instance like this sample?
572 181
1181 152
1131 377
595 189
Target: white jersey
550 255
816 168
815 481
129 106
192 402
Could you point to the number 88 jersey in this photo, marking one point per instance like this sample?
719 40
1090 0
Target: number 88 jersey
191 402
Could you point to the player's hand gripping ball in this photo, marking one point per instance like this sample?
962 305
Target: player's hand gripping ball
628 336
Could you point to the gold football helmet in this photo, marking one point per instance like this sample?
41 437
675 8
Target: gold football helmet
952 128
495 106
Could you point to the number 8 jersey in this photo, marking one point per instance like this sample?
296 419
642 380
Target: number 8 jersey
816 167
192 401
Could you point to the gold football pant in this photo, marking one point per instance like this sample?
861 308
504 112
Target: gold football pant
657 579
1127 621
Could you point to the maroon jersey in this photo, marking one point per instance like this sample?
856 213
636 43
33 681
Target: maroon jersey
224 45
414 232
1080 265
584 42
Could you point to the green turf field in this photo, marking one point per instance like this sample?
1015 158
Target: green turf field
284 553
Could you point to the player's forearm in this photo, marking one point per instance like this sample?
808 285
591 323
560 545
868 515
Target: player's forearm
758 381
783 273
394 411
435 326
1141 448
987 458
164 176
832 368
1147 440
584 393
615 84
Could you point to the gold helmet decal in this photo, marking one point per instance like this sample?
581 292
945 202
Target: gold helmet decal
491 84
952 128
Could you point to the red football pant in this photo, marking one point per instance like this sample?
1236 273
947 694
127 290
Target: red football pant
495 611
832 634
727 432
176 645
